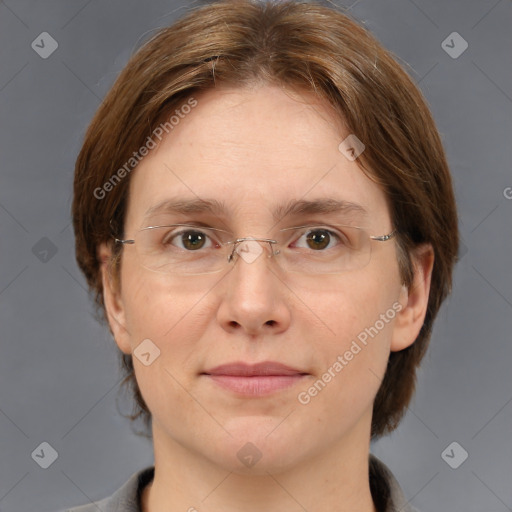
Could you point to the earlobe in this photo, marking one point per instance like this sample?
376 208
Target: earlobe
113 301
414 300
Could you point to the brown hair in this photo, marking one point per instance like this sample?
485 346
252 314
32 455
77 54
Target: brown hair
302 45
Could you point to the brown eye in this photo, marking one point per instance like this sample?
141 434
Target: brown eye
318 239
192 240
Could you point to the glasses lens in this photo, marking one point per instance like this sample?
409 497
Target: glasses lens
322 250
182 249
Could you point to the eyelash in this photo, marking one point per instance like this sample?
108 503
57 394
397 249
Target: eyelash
304 231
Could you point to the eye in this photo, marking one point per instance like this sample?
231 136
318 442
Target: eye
319 239
189 239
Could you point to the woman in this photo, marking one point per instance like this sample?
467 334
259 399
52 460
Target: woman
253 211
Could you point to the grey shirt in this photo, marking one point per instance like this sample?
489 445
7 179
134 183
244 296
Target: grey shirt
386 492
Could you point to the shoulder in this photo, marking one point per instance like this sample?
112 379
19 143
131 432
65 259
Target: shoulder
125 499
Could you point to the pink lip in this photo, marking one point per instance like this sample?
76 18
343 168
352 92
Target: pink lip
256 379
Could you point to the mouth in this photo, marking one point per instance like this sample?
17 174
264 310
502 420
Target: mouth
255 379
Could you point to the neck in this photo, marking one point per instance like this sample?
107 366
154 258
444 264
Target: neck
334 479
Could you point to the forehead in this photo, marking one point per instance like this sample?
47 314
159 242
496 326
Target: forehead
254 151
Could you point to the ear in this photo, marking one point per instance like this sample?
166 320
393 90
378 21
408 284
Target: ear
113 301
414 300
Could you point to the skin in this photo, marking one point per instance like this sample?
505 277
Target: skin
256 148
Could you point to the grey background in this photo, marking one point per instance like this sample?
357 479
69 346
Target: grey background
58 368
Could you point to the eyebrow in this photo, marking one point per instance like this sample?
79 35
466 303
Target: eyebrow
292 208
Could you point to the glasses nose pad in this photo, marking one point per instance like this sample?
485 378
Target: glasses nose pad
250 250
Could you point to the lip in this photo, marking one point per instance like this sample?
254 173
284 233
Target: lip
265 368
258 379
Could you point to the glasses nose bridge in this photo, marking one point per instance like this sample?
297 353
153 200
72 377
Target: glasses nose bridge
263 242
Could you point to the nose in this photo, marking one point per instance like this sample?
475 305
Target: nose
249 248
254 299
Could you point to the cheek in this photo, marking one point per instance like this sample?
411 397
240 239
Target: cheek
173 318
351 360
351 303
158 306
359 314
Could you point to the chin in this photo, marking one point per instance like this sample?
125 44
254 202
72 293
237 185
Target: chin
257 447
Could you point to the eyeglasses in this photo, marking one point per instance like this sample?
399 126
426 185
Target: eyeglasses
191 249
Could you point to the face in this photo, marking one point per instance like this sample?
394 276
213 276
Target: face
256 150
